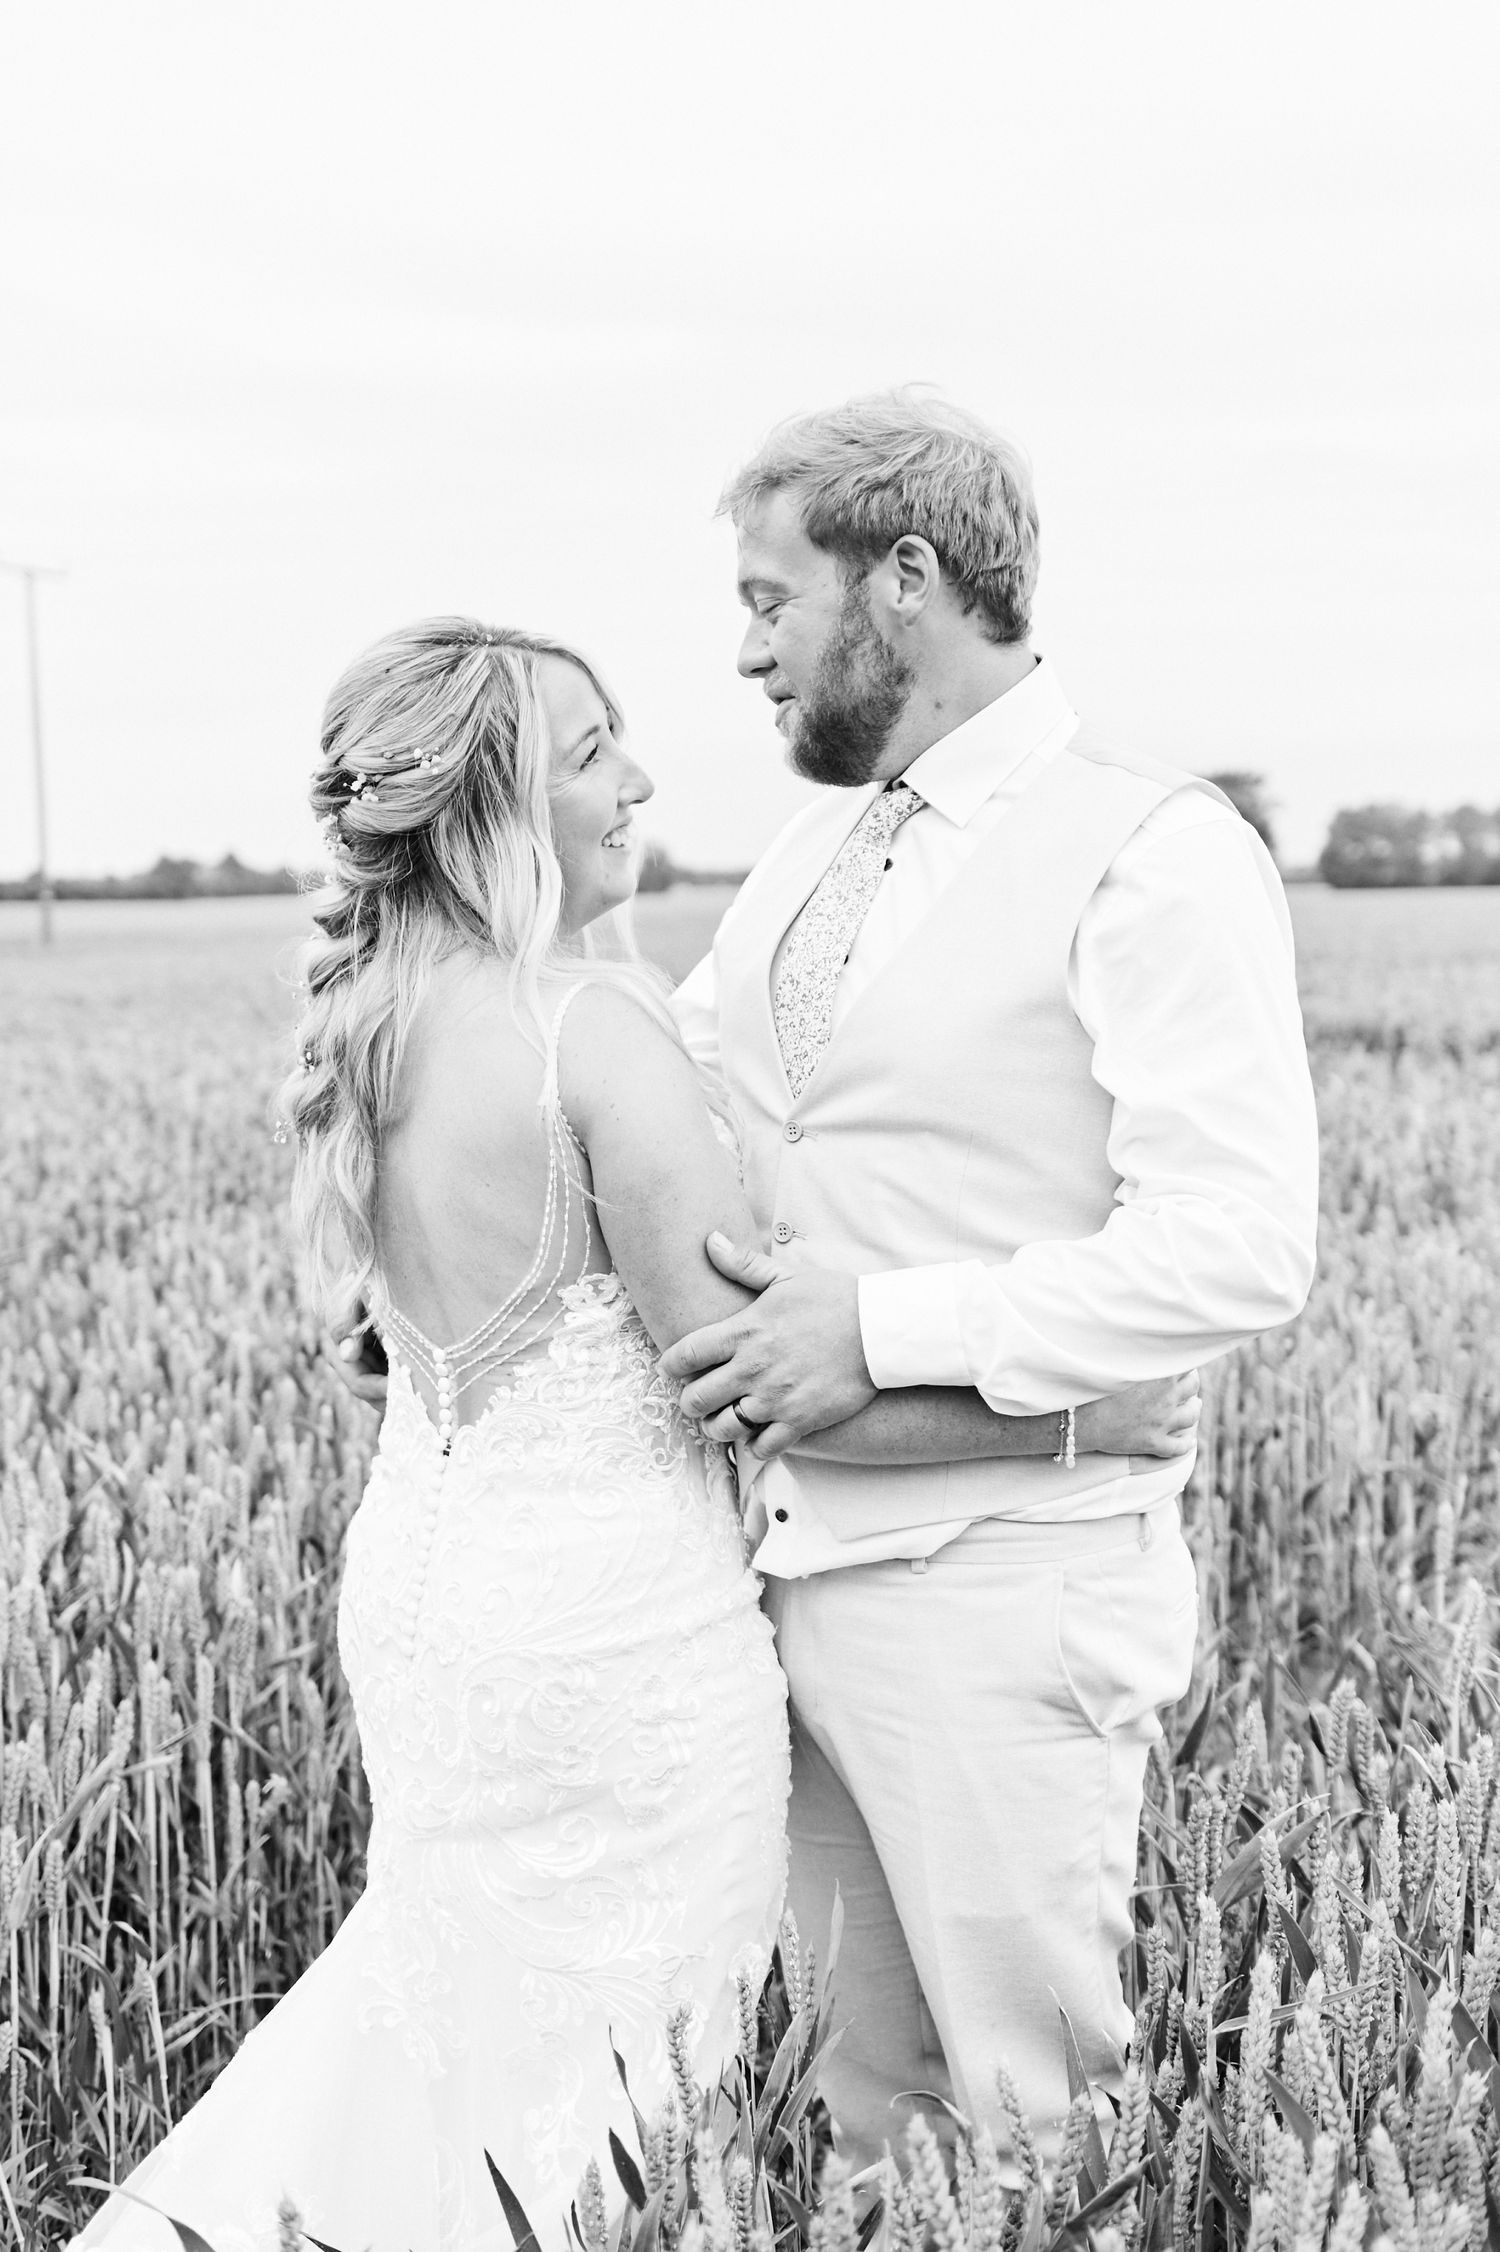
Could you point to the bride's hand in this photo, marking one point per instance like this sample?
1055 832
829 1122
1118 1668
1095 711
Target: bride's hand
1160 1418
359 1363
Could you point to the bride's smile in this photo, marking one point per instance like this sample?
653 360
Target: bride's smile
593 786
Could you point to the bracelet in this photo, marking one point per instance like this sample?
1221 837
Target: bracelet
1067 1434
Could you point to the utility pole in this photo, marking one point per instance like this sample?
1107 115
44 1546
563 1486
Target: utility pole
28 574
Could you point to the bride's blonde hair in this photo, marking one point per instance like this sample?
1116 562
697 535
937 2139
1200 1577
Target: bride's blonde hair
433 790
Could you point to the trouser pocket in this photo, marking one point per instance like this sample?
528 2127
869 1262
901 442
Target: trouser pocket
1126 1626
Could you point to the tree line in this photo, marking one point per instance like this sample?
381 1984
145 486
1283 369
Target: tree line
1368 846
228 878
1387 846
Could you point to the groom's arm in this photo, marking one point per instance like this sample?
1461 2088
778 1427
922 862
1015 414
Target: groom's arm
1183 976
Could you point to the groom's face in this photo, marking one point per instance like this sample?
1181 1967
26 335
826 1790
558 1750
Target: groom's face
837 686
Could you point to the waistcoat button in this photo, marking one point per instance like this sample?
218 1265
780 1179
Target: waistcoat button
781 1516
783 1231
792 1130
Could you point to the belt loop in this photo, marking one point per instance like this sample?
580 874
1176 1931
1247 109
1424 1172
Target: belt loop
919 1563
1146 1533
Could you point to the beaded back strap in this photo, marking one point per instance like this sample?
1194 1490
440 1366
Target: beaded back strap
533 1308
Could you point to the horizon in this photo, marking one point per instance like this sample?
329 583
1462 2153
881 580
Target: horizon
691 871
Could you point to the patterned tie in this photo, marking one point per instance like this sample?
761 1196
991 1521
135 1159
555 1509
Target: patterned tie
827 928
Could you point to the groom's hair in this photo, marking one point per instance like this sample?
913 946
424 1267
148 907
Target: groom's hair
893 463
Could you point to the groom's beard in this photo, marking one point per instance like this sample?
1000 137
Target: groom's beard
860 690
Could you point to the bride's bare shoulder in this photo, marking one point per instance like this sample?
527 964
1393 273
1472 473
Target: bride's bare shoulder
617 1047
474 1057
601 1009
469 1052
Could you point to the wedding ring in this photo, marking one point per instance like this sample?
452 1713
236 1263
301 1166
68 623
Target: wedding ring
751 1430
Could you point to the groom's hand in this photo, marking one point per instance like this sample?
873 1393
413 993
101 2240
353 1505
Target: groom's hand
793 1362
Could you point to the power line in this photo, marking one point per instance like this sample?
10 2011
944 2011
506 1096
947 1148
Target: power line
28 574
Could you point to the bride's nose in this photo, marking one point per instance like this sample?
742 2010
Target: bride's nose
636 786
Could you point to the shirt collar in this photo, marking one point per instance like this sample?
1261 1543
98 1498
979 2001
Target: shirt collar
958 772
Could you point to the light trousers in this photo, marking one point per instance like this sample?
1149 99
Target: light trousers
969 1747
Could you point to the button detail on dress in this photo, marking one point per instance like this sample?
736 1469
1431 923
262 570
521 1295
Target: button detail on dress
792 1131
783 1231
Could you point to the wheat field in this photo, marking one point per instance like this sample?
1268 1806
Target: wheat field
181 1805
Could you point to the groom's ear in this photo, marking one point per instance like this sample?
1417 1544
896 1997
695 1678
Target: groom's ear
913 576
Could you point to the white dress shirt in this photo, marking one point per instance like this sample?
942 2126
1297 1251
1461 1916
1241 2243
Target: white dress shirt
1180 975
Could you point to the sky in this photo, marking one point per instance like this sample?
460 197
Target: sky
318 318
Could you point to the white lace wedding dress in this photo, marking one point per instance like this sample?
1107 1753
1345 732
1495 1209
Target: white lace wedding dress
574 1729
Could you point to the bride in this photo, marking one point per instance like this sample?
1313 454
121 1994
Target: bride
569 1705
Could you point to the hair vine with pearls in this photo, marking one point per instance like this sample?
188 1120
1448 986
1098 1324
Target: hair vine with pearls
433 793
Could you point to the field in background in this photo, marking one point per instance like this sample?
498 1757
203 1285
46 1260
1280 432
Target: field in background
181 1807
675 927
1365 958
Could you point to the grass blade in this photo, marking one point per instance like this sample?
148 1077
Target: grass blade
523 2235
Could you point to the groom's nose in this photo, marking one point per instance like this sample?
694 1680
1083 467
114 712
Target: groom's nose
755 651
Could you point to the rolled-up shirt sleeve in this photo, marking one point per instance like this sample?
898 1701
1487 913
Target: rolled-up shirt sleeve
1182 975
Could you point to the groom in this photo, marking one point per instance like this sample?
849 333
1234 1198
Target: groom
1009 1022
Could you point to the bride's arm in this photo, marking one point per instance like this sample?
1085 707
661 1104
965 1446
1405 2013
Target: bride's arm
663 1182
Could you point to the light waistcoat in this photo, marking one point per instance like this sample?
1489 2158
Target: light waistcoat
954 1114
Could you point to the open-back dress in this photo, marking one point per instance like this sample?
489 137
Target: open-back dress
573 1725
